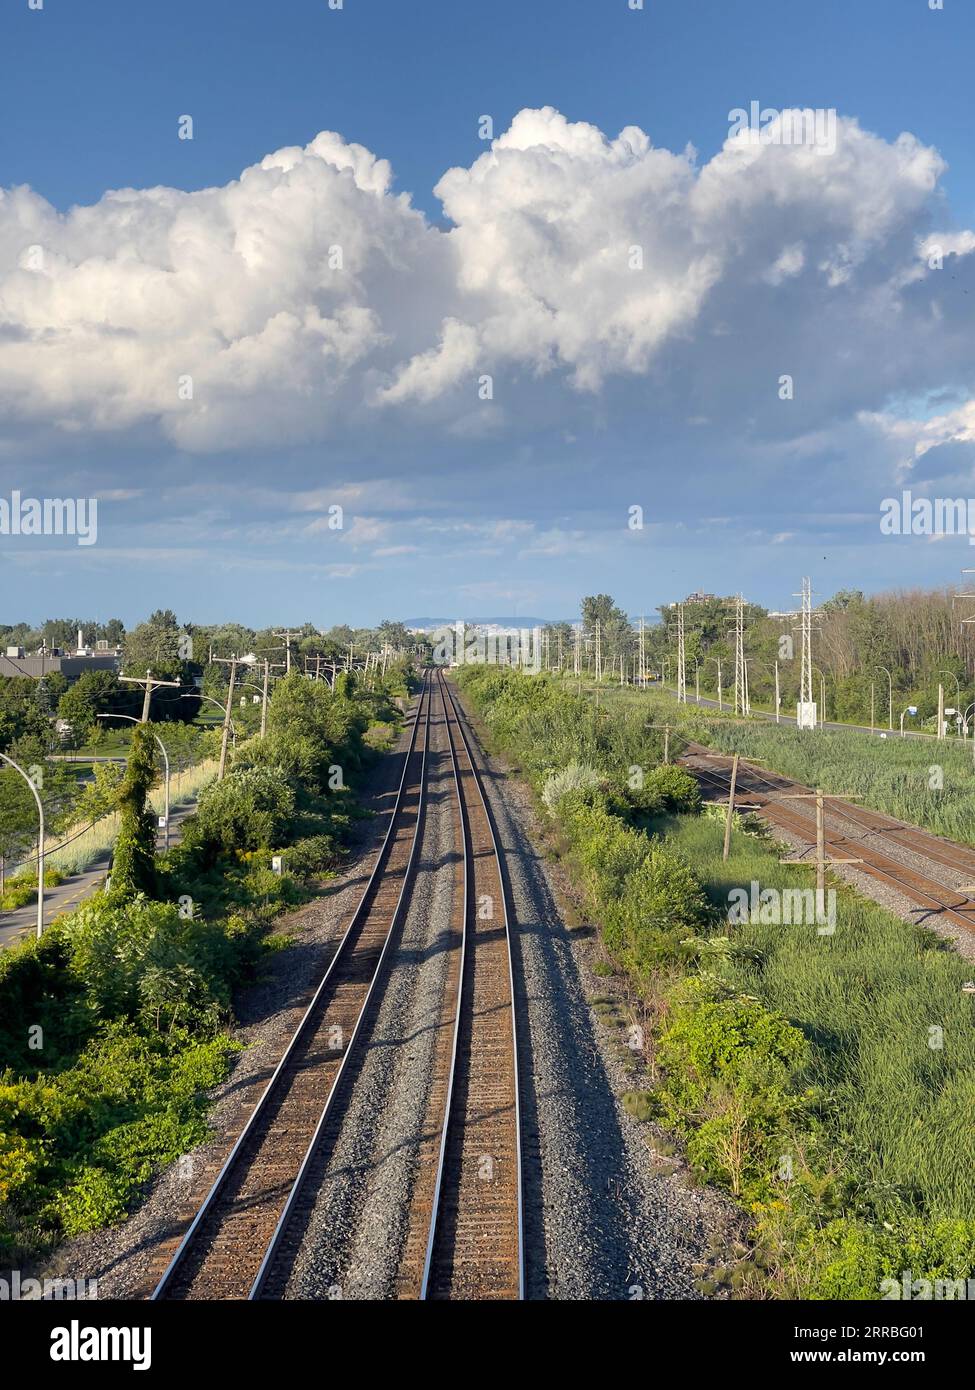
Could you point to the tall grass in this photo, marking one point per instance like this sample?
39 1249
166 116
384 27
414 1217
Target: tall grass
930 784
876 1113
870 997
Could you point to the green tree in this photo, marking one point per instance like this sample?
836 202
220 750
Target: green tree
93 693
134 862
155 646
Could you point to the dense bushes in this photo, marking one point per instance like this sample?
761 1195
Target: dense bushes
110 1025
251 809
77 1144
730 1067
798 1068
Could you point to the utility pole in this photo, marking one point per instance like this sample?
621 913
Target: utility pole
941 710
150 684
643 653
599 651
232 663
741 676
267 678
730 815
681 658
804 713
806 671
666 729
778 698
822 862
287 635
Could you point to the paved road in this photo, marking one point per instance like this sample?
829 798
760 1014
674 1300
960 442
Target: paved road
788 719
14 926
86 758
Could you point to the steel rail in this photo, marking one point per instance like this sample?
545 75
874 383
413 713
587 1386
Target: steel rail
448 1117
280 1229
874 864
186 1243
468 856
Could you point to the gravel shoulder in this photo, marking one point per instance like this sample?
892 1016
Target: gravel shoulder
122 1258
366 1171
886 894
611 1211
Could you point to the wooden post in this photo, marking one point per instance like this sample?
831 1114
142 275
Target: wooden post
820 845
148 697
731 807
226 721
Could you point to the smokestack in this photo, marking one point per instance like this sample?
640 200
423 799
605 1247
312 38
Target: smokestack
81 640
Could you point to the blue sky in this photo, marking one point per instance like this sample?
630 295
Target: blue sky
453 505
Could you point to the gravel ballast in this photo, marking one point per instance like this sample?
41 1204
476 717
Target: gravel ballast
357 1229
610 1212
607 1216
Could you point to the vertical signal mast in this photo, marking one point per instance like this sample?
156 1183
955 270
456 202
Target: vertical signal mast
741 677
806 671
681 659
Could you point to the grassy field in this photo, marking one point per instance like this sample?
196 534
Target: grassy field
925 783
893 1042
826 1079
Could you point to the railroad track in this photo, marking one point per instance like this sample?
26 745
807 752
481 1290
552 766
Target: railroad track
464 1229
233 1239
475 1246
931 896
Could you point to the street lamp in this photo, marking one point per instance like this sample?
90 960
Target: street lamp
945 672
911 710
40 844
162 748
822 696
199 695
753 661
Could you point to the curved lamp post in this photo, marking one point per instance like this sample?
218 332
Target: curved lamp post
890 697
40 844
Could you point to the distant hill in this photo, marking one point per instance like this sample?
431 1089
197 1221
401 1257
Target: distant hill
503 621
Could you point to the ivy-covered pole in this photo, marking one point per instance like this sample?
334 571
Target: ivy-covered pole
134 863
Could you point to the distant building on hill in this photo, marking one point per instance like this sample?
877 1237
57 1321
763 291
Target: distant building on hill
101 657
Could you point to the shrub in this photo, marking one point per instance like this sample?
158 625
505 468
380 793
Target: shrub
677 789
312 855
731 1071
250 809
575 778
659 904
142 960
